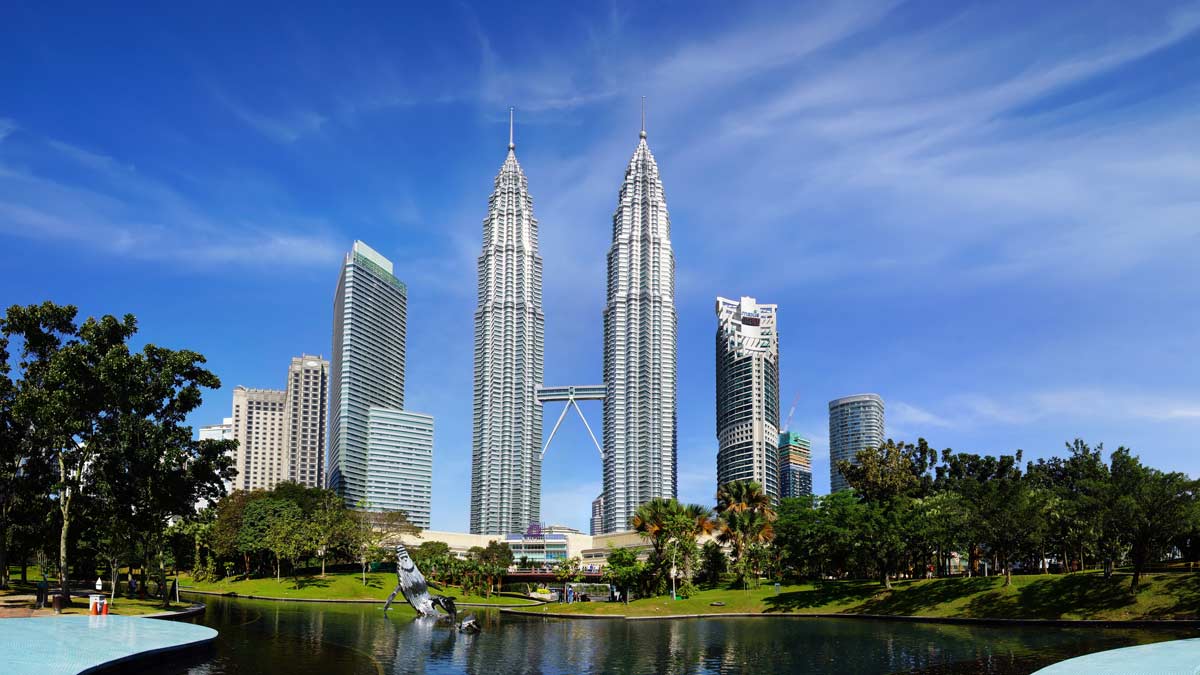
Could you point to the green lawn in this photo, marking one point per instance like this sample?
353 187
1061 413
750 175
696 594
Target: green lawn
1072 596
339 586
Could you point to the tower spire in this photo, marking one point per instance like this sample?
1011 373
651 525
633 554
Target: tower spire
511 145
643 134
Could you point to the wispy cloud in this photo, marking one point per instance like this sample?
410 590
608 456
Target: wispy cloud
284 127
7 127
113 207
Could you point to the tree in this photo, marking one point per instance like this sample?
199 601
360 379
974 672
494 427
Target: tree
373 530
286 536
494 560
1149 508
62 397
567 570
623 570
745 518
329 525
713 562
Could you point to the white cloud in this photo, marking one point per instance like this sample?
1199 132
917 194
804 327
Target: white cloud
116 209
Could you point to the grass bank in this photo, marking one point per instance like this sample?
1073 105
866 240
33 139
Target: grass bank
1059 597
333 586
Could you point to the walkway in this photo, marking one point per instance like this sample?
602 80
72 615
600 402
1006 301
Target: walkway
79 644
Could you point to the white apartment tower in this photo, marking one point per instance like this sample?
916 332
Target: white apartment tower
308 379
367 371
506 465
639 347
260 428
855 424
747 393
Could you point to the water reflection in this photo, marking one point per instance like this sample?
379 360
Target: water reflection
301 638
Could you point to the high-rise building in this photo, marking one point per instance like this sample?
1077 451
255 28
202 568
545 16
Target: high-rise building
855 423
506 464
597 526
400 463
367 369
747 393
308 378
639 347
260 428
795 465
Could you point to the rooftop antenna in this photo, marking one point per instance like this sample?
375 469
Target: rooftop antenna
511 145
643 117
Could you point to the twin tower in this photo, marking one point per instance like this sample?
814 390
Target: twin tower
639 391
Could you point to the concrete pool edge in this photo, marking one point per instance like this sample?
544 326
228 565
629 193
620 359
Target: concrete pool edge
97 644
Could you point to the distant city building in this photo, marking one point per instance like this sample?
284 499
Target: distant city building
855 423
510 335
308 379
747 393
640 360
400 463
597 525
367 366
218 432
260 428
795 465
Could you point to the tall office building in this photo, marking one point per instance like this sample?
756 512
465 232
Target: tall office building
795 465
855 423
506 463
308 378
400 463
260 428
747 393
639 347
367 369
597 525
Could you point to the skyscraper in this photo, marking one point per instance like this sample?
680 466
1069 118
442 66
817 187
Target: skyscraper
639 347
506 463
400 463
308 378
855 423
369 319
795 465
597 525
260 427
747 393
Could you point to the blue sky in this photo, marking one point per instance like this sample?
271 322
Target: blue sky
987 213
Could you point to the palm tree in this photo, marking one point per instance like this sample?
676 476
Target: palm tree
746 518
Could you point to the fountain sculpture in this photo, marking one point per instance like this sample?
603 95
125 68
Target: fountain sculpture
411 583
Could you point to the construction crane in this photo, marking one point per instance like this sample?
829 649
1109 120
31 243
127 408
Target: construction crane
791 411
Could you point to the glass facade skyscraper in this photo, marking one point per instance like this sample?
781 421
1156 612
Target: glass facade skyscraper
640 328
400 463
747 393
367 368
855 423
795 465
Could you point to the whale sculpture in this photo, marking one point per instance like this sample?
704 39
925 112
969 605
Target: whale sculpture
411 583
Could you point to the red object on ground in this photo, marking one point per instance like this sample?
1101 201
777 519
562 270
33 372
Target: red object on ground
92 608
104 606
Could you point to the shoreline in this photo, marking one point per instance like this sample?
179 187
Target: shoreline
979 621
360 601
1058 623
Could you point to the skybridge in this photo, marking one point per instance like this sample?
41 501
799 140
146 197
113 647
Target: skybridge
571 395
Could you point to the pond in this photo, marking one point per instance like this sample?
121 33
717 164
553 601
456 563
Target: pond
258 636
